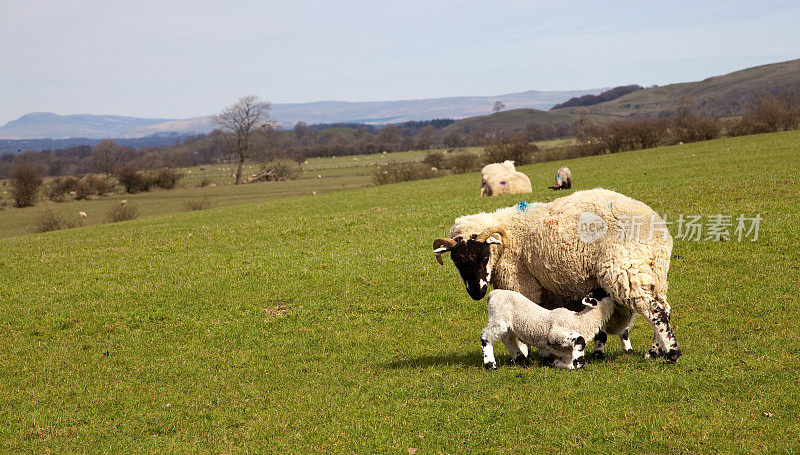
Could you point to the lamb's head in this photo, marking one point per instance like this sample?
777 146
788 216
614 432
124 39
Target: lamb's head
472 257
595 297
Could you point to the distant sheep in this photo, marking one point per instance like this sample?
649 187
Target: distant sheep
82 214
496 169
563 179
123 202
509 183
560 334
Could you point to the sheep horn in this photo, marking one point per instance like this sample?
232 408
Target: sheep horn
488 236
442 245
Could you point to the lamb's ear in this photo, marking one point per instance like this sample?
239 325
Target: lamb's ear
442 245
494 236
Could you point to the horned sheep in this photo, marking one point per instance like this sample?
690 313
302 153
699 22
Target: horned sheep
510 183
555 253
560 334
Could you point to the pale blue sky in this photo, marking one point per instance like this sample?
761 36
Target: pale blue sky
177 59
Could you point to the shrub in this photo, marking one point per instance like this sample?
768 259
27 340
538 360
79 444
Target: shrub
60 187
278 171
25 183
693 128
435 159
205 182
197 204
514 147
402 172
93 184
133 180
122 213
165 178
49 221
463 162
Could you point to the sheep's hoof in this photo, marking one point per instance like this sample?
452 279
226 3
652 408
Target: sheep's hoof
580 362
672 355
599 355
490 366
521 360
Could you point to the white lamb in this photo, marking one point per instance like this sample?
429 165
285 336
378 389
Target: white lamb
559 334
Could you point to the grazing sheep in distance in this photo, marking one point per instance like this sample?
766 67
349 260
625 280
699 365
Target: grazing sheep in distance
496 169
555 253
82 214
560 334
509 183
563 179
123 202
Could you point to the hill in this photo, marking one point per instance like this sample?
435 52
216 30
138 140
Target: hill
323 324
721 96
507 121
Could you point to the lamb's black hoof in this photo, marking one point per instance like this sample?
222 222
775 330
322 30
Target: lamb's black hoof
521 360
672 355
599 355
490 366
580 362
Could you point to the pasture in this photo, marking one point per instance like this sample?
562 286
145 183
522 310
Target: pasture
324 324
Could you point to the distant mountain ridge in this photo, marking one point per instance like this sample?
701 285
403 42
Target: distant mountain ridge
41 125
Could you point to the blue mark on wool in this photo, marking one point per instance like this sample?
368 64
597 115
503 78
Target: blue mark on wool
522 206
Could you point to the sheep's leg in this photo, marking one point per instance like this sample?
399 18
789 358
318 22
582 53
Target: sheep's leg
489 336
516 349
664 341
569 340
625 341
600 345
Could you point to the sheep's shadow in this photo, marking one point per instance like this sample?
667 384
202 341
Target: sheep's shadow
475 360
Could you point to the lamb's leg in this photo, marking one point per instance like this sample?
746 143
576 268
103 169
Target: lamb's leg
664 341
600 345
489 336
516 349
570 340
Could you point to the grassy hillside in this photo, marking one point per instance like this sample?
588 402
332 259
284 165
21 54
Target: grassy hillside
721 96
504 121
324 324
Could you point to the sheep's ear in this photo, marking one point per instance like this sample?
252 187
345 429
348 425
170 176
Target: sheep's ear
495 239
493 236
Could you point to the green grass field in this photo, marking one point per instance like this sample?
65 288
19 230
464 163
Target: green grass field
324 324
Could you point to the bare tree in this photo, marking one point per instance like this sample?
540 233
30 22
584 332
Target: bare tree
244 120
498 106
106 157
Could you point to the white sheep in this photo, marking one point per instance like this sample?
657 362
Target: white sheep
508 183
82 214
560 334
496 169
123 202
557 252
563 179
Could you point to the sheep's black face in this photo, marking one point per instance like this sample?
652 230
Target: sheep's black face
472 261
